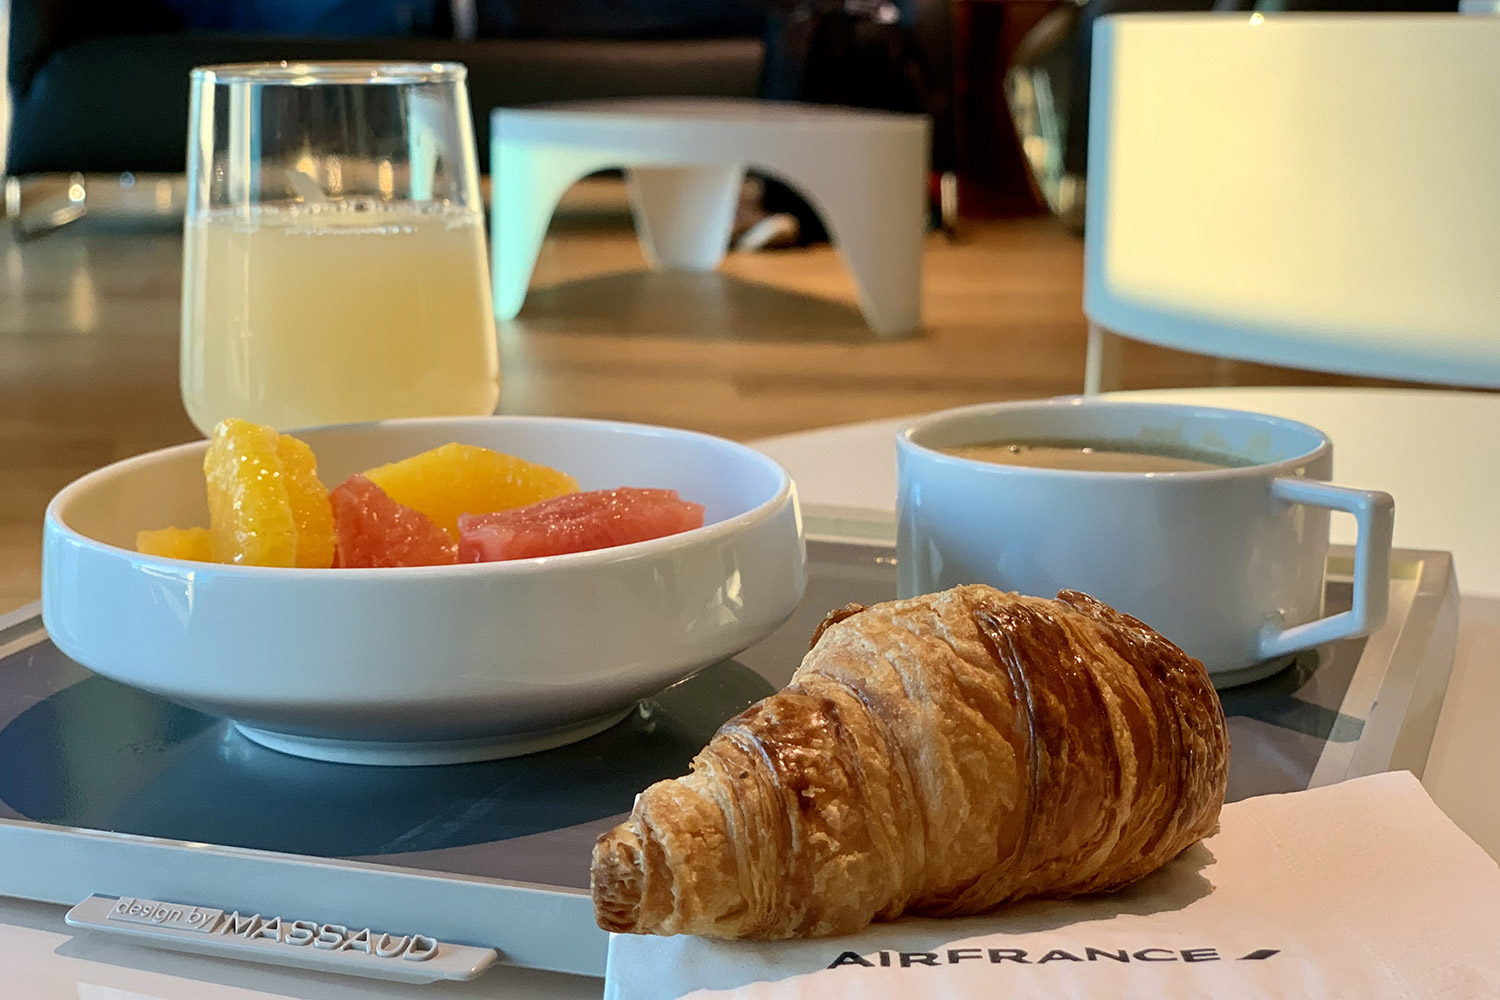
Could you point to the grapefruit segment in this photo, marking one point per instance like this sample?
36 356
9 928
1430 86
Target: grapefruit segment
374 530
577 522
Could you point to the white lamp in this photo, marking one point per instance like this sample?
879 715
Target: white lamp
1319 191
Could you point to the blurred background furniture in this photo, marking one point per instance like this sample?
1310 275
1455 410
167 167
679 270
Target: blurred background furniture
1311 191
992 37
99 87
1047 78
685 161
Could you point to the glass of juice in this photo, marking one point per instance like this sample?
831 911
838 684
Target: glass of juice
334 263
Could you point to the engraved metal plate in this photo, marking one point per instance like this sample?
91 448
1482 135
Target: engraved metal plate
282 940
154 913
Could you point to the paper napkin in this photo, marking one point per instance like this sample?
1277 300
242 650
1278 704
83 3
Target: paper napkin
1362 890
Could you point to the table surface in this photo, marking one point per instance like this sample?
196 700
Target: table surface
1437 452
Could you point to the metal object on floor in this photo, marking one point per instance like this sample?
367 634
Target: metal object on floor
38 205
948 203
1039 90
51 215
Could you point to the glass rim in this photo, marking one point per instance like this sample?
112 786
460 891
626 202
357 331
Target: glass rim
350 71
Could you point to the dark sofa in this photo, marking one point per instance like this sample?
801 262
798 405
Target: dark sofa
101 86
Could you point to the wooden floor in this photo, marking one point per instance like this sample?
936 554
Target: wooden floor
773 343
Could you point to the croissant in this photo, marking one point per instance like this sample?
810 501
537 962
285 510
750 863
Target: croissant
940 755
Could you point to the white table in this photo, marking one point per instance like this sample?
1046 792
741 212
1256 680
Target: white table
685 159
1437 452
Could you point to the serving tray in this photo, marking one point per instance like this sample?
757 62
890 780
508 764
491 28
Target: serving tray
107 790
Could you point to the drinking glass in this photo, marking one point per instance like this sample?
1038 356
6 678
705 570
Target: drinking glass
334 263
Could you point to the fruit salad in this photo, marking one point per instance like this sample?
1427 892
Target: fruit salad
456 503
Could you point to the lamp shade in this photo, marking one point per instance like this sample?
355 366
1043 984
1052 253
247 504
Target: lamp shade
1320 191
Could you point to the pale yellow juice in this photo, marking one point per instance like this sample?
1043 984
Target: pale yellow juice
295 317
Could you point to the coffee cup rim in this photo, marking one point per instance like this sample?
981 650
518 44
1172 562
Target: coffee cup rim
905 438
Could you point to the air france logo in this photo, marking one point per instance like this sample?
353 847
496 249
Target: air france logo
1020 956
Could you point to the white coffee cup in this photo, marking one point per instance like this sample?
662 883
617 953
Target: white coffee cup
1226 562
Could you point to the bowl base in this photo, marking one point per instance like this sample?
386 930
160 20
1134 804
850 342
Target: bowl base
378 753
1225 679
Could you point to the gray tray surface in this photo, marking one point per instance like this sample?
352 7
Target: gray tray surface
506 844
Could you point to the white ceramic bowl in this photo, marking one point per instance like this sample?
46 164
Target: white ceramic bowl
428 664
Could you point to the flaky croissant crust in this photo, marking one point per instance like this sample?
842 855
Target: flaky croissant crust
940 755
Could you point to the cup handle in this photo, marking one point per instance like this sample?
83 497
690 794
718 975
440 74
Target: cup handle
1374 513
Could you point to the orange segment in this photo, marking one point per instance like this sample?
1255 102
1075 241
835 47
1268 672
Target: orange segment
311 510
464 479
175 543
266 506
249 513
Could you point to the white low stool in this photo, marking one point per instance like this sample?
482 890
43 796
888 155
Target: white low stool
864 172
